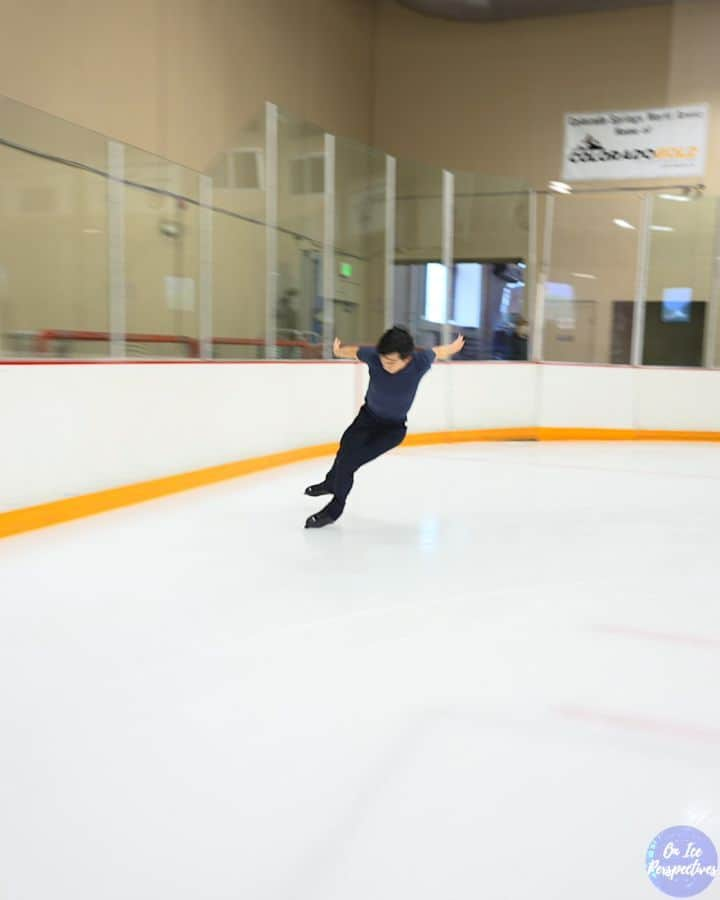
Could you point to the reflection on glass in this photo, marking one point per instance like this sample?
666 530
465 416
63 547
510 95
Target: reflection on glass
418 251
680 274
161 256
53 233
490 243
590 285
359 262
299 313
239 244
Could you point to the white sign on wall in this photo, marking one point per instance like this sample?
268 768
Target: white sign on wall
179 293
648 143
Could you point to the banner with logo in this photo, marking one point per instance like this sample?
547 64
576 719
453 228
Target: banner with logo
648 143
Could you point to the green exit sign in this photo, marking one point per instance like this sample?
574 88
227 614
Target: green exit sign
346 270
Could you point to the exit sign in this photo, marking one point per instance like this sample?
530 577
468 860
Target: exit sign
346 270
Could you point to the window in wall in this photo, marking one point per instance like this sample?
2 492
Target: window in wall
247 168
466 300
241 169
467 295
435 289
307 174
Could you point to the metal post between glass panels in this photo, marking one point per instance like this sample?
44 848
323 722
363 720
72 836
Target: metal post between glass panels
390 192
531 271
538 325
271 235
206 259
447 248
641 283
117 313
711 322
328 279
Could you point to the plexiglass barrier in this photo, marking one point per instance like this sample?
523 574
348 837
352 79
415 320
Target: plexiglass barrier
292 236
419 282
490 249
590 282
678 328
629 277
359 246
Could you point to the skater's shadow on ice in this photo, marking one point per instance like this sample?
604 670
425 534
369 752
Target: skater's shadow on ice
381 532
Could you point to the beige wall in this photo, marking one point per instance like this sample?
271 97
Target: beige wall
694 69
492 97
181 78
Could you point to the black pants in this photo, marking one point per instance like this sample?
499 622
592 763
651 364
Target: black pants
367 438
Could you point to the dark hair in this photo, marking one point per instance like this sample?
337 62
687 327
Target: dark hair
396 340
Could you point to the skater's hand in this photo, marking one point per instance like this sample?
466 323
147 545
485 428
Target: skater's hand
456 345
445 351
344 352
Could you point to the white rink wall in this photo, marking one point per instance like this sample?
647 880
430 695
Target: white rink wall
586 397
73 429
620 397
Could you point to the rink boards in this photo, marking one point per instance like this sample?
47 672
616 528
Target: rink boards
72 430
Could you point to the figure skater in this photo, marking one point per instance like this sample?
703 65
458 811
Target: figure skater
396 369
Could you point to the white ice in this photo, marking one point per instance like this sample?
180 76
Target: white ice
496 677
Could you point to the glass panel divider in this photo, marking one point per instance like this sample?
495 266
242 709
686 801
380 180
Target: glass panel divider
117 276
447 249
711 324
390 209
641 283
328 258
271 230
205 223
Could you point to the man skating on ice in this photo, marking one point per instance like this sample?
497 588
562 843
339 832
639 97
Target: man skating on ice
396 369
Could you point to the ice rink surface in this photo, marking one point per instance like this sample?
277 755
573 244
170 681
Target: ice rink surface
497 677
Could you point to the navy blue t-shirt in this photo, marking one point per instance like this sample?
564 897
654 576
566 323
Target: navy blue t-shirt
390 396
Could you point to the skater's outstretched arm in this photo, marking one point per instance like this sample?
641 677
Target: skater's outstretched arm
445 351
349 352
